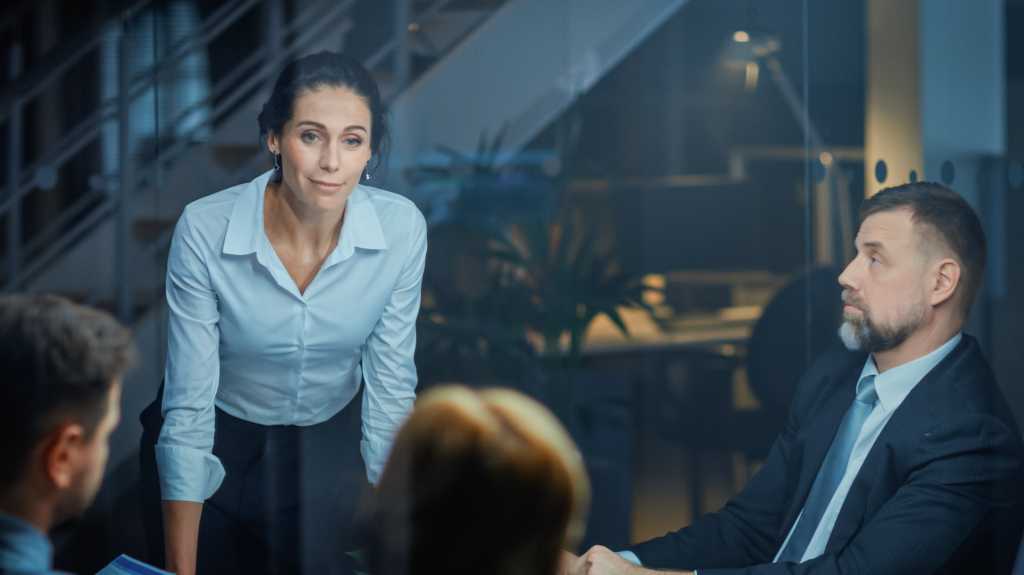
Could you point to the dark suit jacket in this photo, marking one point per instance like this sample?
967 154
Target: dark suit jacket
940 491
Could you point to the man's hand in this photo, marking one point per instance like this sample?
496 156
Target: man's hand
603 561
566 563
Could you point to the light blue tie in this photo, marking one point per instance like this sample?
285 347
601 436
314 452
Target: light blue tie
831 472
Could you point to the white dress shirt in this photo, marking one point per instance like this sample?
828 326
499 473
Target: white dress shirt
242 337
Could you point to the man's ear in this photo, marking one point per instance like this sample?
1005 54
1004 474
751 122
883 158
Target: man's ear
946 279
62 452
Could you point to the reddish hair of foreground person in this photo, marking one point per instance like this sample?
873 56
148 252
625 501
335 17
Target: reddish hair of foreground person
478 482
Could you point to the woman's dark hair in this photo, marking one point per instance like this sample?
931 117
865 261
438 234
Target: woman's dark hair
324 69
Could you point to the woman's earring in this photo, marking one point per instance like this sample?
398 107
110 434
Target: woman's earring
367 176
277 162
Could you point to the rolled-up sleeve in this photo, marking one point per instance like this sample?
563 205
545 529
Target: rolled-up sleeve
389 368
188 469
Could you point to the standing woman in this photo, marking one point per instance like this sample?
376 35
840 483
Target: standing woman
284 294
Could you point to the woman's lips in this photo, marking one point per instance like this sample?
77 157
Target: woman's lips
327 185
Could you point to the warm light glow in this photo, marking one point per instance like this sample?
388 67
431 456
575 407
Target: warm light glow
414 27
656 281
753 72
741 36
740 313
826 159
654 298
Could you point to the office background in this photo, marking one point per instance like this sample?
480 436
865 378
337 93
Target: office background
637 209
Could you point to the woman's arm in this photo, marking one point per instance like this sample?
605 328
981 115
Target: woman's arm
181 535
389 369
189 472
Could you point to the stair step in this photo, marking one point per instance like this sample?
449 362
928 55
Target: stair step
147 230
456 5
231 157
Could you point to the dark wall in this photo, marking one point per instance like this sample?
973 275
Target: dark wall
1007 312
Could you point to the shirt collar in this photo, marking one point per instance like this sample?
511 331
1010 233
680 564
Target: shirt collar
245 226
23 547
895 385
245 232
361 229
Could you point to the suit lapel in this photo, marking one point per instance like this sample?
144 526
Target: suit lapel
817 436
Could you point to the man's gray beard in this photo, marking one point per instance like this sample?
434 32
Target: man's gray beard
848 333
864 336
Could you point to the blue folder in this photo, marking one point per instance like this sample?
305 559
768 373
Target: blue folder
125 565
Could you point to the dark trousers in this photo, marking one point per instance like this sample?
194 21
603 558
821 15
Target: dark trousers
288 500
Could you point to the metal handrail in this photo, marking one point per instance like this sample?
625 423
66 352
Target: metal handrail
64 242
81 135
52 73
265 73
20 91
89 129
312 22
91 209
68 216
11 16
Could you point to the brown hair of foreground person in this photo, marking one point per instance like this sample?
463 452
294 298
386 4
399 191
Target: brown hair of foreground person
478 482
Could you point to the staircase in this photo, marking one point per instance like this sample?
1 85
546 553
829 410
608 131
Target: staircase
75 254
517 72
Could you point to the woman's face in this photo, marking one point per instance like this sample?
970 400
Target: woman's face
324 147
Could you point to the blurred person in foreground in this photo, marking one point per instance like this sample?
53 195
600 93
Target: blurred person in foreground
900 454
60 395
478 482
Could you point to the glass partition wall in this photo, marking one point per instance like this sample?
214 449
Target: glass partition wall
637 211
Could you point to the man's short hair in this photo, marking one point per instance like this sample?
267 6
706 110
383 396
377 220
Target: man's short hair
945 216
57 360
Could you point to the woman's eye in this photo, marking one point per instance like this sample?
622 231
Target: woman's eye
310 137
354 142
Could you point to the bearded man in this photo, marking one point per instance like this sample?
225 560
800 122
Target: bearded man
899 454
